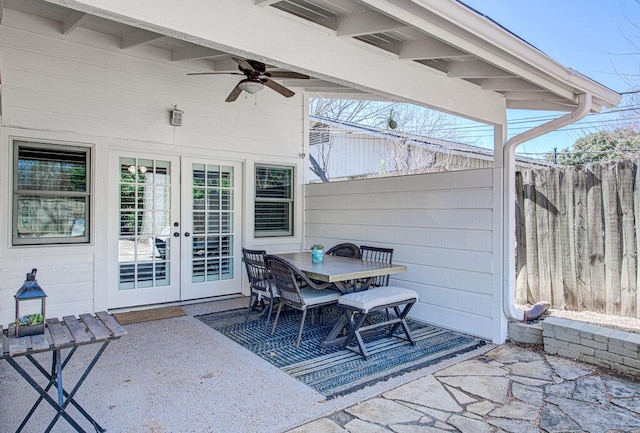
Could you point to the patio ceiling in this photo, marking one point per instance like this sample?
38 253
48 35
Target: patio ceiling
435 53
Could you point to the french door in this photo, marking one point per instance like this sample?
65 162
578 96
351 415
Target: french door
178 234
210 264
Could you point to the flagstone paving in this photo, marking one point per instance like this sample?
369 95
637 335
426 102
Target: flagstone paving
509 389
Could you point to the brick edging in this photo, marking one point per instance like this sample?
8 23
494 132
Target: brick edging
598 345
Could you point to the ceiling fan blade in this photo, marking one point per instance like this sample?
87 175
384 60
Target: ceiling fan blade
243 63
278 87
215 73
287 74
234 94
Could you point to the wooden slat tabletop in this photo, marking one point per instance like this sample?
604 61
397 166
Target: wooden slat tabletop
77 329
58 335
111 323
99 331
40 342
18 345
60 338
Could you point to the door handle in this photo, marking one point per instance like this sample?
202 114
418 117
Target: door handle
176 234
187 234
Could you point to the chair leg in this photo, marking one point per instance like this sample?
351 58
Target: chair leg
250 307
266 327
275 321
304 315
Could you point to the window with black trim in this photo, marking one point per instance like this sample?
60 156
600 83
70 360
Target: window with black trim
51 193
273 201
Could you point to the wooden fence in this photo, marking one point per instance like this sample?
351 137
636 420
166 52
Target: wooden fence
576 239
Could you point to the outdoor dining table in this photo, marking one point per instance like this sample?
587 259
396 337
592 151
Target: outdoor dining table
342 271
70 334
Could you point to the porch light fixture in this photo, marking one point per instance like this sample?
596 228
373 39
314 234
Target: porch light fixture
175 116
251 86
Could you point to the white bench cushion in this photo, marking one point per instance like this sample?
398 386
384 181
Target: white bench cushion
313 296
377 297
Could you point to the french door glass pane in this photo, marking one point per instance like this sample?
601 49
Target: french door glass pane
212 213
144 244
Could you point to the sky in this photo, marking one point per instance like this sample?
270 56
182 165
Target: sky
598 38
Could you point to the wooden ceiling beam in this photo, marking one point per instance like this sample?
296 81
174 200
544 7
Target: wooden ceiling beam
194 52
138 37
366 23
508 84
72 22
425 49
528 96
476 69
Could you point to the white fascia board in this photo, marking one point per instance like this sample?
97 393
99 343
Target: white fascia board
539 64
243 29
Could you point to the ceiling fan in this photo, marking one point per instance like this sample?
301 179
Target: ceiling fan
257 77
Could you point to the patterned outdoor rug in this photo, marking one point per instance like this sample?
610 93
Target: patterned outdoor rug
332 371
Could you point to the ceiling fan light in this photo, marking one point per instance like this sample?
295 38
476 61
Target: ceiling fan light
251 86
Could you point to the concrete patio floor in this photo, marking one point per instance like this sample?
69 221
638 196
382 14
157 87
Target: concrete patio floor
179 375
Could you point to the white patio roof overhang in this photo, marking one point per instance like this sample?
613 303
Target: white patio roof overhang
435 53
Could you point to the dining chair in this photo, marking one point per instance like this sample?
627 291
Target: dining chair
377 254
288 279
261 286
344 250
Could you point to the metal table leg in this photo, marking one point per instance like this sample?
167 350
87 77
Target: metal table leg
55 379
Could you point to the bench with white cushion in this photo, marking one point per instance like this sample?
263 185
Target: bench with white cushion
358 306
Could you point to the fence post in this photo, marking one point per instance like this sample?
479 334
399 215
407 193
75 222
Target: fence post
596 238
544 241
568 238
612 253
554 177
583 256
628 288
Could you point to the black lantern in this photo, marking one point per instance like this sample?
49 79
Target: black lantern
30 291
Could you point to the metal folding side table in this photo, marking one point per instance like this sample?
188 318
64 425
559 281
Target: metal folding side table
70 334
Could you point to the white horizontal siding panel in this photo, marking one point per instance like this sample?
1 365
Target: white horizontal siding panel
46 120
349 199
75 107
456 320
233 147
472 240
60 294
442 297
438 257
48 275
70 308
468 179
480 219
461 280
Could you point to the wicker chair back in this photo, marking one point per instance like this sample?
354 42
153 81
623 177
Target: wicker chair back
345 250
256 268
